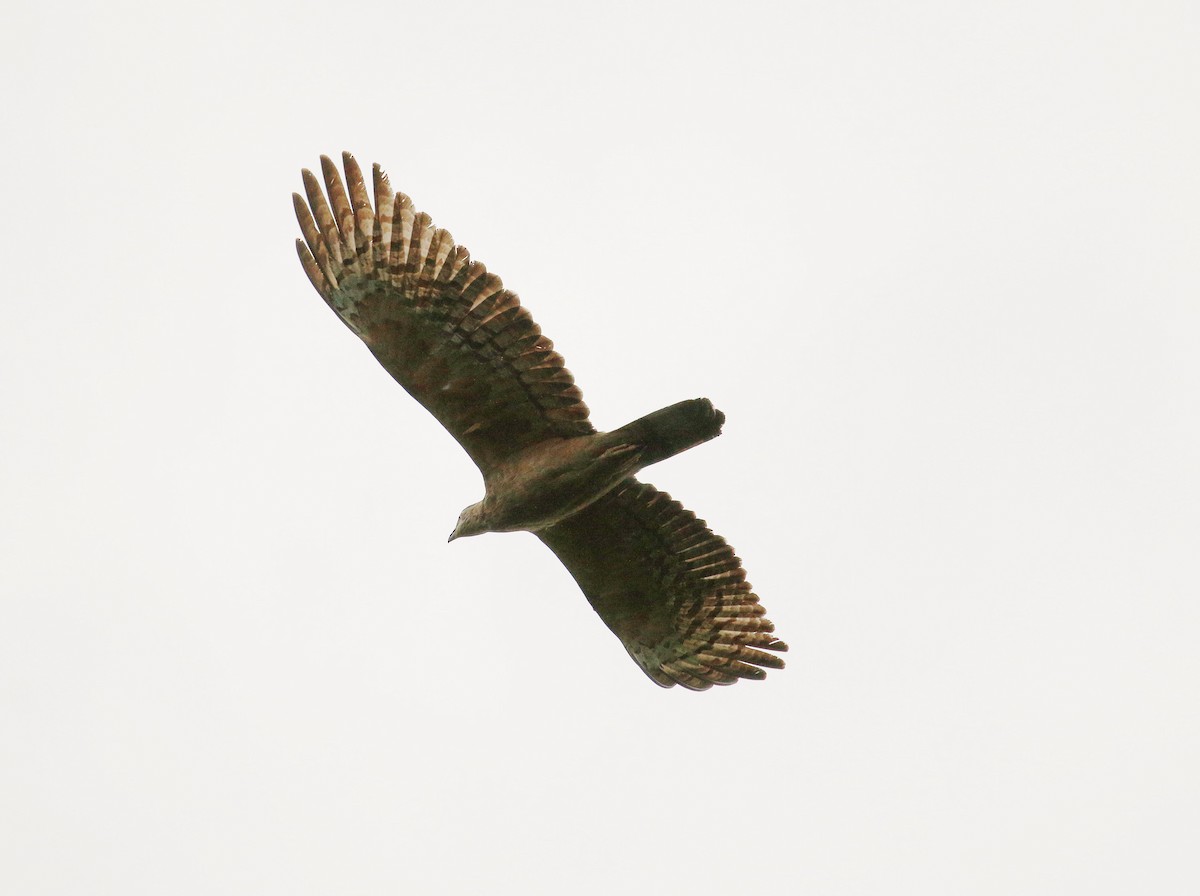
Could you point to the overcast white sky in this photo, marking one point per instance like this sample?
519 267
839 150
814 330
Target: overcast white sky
937 262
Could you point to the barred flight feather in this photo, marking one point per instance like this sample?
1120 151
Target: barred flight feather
394 278
680 623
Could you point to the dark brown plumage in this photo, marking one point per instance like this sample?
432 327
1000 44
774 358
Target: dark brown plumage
465 348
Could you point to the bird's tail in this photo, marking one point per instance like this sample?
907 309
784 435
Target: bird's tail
673 429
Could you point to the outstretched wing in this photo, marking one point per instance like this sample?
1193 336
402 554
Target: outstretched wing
672 591
445 328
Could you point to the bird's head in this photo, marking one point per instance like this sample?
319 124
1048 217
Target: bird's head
470 522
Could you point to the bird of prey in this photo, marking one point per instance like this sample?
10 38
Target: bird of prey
463 346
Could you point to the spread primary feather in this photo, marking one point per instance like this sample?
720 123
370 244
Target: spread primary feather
462 345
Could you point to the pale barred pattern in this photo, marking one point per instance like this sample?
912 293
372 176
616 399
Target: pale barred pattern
352 238
672 590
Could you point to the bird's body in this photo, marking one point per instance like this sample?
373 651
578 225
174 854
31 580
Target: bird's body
465 348
544 484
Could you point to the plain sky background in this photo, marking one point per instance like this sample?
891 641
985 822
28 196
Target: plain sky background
937 262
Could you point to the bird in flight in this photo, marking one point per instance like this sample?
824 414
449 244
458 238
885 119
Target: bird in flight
462 345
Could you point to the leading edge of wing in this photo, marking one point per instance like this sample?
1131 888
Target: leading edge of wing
442 325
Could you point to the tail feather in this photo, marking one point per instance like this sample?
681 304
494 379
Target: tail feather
673 429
